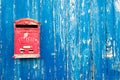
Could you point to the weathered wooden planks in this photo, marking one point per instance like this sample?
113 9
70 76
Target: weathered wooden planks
79 40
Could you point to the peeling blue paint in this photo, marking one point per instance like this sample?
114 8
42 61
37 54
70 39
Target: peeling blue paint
79 40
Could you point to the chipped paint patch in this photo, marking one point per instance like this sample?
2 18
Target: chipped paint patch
109 55
117 5
35 66
45 21
83 13
89 10
72 18
109 52
116 66
83 3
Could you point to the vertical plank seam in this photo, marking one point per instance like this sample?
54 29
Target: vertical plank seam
91 46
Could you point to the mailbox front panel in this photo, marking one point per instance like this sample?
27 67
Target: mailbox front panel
26 42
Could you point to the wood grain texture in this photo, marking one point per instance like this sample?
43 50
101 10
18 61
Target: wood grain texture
79 40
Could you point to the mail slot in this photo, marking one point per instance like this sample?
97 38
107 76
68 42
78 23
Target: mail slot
26 38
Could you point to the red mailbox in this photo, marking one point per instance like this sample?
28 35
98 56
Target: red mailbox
26 38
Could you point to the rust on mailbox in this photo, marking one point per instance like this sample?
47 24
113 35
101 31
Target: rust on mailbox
26 38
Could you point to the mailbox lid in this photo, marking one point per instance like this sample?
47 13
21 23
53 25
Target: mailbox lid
26 21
